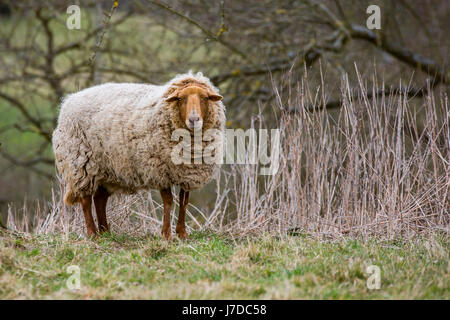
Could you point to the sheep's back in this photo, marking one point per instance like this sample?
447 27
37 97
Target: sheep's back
103 137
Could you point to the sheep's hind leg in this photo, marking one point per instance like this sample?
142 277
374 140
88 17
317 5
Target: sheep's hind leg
100 200
86 203
166 195
181 224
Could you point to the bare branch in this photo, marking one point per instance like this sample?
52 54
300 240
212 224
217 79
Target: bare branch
23 109
208 33
335 104
411 58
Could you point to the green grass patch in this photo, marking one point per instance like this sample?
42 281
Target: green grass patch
209 266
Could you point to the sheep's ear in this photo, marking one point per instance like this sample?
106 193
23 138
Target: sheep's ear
214 97
173 98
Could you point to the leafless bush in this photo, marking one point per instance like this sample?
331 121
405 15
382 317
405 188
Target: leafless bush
369 170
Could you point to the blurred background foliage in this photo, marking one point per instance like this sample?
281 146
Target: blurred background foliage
247 48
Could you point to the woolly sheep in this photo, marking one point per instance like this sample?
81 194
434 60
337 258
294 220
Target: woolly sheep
116 137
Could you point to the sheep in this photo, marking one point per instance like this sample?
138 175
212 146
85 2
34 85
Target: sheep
116 138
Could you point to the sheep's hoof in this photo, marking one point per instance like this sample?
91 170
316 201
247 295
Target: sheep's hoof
183 235
167 236
92 236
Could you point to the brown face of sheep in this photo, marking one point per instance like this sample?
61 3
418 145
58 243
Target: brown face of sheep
193 103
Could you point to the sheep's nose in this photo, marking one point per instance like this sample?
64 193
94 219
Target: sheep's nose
193 120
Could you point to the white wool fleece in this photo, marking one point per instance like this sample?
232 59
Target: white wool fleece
118 135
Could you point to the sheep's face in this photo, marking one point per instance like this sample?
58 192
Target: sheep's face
193 104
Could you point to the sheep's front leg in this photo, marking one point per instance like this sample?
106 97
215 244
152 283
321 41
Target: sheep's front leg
86 203
166 195
181 224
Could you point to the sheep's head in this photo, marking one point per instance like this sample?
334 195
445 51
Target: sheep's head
194 103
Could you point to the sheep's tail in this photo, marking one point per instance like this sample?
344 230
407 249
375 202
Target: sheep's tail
70 198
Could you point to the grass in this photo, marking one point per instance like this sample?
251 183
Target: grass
211 266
